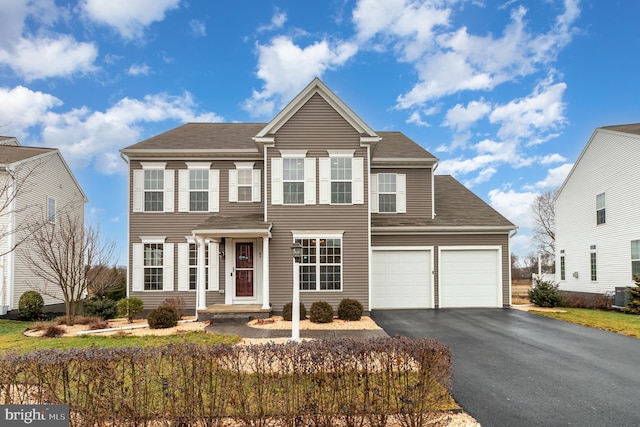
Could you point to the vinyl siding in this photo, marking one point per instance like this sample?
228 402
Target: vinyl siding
437 240
316 127
609 164
176 225
418 191
50 179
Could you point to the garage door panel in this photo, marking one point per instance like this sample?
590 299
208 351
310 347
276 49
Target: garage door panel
470 278
401 279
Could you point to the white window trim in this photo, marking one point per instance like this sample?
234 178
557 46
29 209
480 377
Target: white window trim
255 182
138 187
184 192
277 177
401 193
357 177
318 235
138 264
603 208
52 216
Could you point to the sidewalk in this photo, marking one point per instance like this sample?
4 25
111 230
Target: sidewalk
245 331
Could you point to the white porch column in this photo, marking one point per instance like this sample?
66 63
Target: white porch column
265 273
201 287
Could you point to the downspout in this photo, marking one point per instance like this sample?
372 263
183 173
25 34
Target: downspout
369 223
433 191
126 160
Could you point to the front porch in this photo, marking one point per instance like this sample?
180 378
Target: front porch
237 313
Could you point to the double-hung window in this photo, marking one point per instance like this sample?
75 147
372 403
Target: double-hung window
563 270
193 265
293 178
153 188
594 263
153 266
635 258
198 190
341 178
51 210
321 263
388 193
293 181
244 183
601 217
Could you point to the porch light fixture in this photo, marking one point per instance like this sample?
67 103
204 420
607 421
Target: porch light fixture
296 253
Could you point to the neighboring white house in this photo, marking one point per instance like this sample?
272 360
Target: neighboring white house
597 213
35 184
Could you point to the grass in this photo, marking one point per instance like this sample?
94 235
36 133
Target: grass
625 324
520 291
11 338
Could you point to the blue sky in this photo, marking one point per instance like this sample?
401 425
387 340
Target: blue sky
505 93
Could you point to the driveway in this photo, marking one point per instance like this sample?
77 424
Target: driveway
512 368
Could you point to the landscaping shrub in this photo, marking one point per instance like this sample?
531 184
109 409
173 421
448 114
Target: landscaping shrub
130 307
53 331
321 312
79 320
30 305
287 311
104 308
585 300
176 303
163 317
349 309
633 306
320 382
545 293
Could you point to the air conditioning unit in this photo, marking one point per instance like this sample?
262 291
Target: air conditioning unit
621 296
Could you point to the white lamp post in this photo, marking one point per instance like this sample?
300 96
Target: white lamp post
296 252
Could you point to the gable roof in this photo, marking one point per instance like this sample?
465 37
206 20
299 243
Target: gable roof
316 87
632 131
397 146
456 208
10 154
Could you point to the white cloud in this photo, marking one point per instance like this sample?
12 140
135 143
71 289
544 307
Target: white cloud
286 68
515 206
139 70
87 137
462 118
277 21
25 54
129 18
416 119
555 177
198 28
552 158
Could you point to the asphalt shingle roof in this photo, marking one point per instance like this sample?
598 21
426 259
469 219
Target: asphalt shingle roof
11 153
633 128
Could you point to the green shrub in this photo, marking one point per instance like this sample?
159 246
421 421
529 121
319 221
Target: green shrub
287 311
321 312
176 303
349 309
163 317
104 308
633 306
30 305
130 307
545 293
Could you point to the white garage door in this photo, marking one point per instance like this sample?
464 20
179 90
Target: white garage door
401 279
470 278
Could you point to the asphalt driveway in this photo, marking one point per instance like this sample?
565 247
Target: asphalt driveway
512 368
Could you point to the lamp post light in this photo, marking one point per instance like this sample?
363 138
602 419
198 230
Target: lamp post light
296 252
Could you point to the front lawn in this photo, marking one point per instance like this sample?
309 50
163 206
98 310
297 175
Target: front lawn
11 338
625 324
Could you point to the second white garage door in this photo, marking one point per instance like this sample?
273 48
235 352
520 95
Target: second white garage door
401 279
470 278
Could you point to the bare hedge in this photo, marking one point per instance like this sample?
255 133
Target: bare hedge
319 383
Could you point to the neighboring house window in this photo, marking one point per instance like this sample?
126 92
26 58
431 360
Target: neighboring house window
153 188
293 181
293 178
594 267
193 265
51 210
153 266
635 258
341 178
198 190
244 183
601 217
562 266
321 264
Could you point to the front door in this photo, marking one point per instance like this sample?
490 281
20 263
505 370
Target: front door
244 269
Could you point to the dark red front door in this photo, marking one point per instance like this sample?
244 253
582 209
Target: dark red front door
244 269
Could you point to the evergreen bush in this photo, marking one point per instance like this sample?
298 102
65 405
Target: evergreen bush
287 312
130 307
30 305
104 308
163 317
321 312
545 293
633 306
350 309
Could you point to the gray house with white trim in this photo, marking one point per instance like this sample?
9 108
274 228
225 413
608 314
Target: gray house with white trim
215 208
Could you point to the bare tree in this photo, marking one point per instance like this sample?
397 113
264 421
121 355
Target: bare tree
107 281
544 223
68 257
